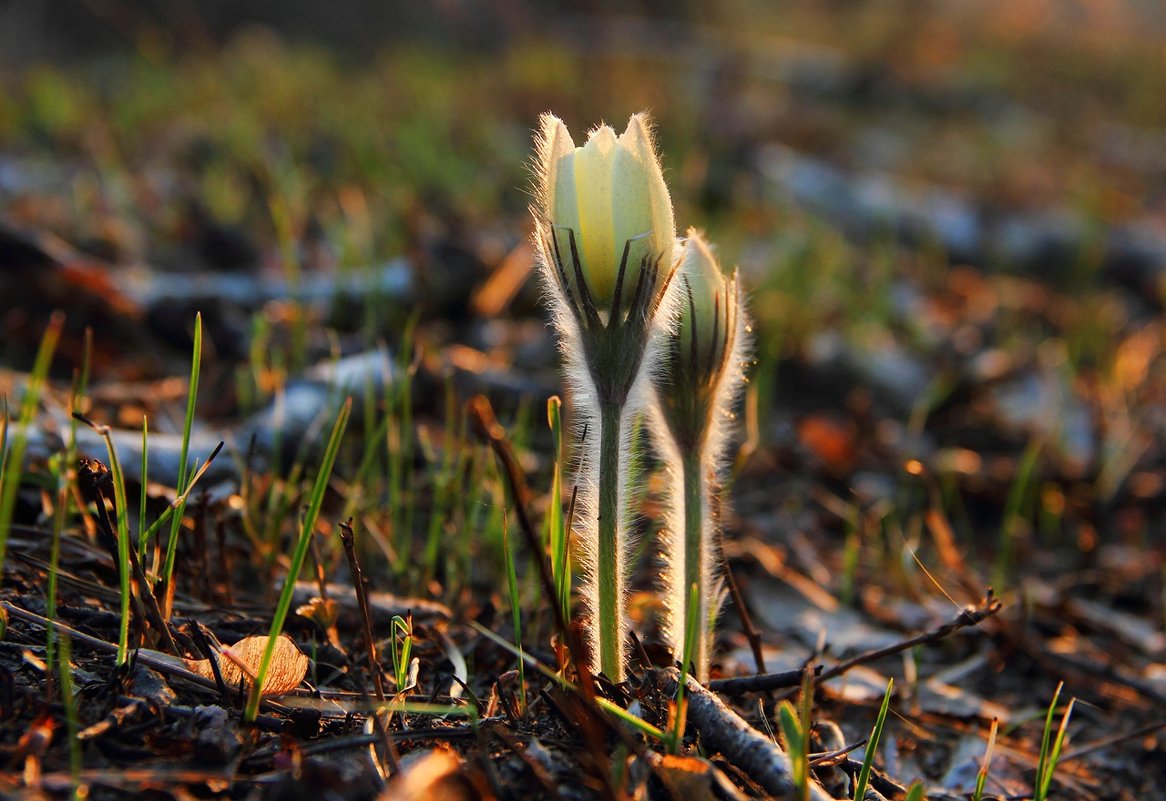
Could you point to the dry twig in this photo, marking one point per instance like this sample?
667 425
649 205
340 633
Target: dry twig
722 729
763 682
348 540
969 616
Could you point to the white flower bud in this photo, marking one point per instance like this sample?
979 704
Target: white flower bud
607 215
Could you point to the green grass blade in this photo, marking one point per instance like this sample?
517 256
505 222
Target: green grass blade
1011 519
1046 737
557 534
515 603
443 480
184 454
639 724
982 776
401 644
3 440
1055 755
11 468
69 701
425 708
315 502
143 543
642 726
180 501
1050 747
65 476
123 543
873 744
399 444
795 734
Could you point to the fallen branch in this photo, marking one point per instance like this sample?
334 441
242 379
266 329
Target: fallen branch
721 729
969 616
789 679
763 682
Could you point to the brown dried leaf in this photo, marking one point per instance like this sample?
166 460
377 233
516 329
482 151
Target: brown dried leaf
693 778
432 776
288 665
832 441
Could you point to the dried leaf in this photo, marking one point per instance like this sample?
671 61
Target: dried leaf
288 665
432 776
832 441
693 778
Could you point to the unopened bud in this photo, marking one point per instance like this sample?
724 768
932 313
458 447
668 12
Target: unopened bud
606 213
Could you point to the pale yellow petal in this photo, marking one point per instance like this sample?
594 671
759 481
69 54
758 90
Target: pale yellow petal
632 204
638 140
593 185
556 151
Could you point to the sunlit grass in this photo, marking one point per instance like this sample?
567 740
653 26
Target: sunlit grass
12 454
795 725
1050 746
515 606
122 533
183 471
872 744
557 525
145 481
307 531
64 473
985 764
401 650
610 707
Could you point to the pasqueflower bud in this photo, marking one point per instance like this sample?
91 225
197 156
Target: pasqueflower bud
703 345
606 218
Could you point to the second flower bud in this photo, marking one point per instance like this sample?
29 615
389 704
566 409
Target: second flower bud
691 386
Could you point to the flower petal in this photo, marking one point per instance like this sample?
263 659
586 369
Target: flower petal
637 139
593 186
553 144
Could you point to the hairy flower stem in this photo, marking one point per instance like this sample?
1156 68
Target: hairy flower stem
695 559
609 576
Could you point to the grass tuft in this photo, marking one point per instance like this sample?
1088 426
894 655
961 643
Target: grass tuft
401 650
558 529
1050 746
307 530
12 459
982 776
515 603
182 485
795 731
873 744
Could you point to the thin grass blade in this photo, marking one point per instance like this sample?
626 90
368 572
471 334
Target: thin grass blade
316 501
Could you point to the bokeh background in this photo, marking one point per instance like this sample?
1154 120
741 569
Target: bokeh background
951 218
